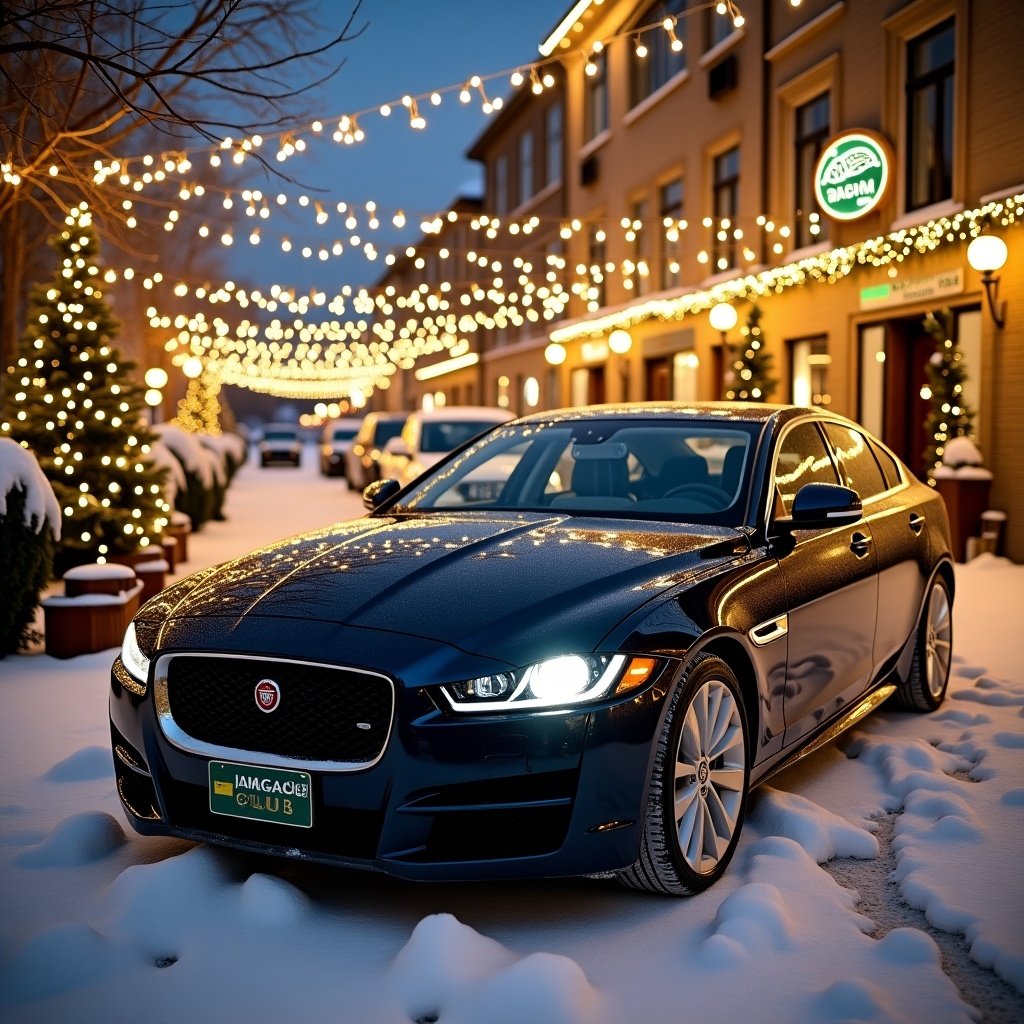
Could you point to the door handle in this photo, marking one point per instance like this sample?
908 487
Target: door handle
860 544
916 522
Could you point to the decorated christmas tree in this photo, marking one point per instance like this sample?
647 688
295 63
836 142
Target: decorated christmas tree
948 414
199 410
750 379
75 407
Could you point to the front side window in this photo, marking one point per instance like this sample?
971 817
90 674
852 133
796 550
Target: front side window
812 131
671 209
596 86
930 79
802 459
725 200
525 166
658 50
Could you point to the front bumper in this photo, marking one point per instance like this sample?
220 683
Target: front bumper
452 796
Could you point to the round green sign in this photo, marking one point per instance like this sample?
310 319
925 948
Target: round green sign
852 175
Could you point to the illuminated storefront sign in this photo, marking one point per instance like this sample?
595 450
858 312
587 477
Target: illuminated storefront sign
852 176
914 289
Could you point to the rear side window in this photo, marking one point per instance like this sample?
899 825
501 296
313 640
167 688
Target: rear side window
890 467
802 459
857 464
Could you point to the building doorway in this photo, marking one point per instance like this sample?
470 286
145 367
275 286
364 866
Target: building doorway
587 386
658 380
894 357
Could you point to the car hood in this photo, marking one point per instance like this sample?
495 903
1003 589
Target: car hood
494 585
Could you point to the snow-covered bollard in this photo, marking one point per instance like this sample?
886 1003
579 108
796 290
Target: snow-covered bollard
98 603
964 484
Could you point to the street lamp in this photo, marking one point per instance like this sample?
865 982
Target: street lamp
620 342
156 378
722 318
987 254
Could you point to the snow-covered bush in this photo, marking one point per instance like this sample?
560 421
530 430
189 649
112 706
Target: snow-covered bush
197 498
29 525
230 447
175 480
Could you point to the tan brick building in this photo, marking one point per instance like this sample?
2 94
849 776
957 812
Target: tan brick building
688 179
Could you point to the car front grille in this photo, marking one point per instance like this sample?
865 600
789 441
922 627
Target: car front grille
329 717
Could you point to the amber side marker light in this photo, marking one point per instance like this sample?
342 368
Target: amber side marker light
637 673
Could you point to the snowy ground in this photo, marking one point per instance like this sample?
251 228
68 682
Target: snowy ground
921 812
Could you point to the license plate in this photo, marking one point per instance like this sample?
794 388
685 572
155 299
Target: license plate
261 794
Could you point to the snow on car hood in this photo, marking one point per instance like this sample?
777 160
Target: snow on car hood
481 583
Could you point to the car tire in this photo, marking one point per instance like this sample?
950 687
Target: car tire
925 688
693 819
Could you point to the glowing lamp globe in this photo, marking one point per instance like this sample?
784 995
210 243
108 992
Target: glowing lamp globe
620 342
156 377
192 367
153 397
554 354
722 317
987 253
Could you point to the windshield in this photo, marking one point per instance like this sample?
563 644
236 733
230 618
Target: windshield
279 435
343 434
448 435
646 468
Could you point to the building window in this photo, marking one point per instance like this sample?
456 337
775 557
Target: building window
670 207
636 236
553 144
657 54
930 69
596 96
813 121
595 262
501 185
525 166
724 207
717 27
809 364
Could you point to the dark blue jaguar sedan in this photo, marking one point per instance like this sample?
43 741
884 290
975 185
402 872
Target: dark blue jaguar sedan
572 647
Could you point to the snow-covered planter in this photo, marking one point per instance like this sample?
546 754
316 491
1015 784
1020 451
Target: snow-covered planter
964 484
29 526
179 529
98 603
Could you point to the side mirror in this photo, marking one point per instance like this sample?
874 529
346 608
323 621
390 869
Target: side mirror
379 492
397 446
822 507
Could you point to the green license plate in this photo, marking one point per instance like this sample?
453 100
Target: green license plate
261 794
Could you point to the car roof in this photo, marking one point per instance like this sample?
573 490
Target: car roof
448 413
751 412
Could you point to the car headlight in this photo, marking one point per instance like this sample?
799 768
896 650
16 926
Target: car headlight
134 661
555 682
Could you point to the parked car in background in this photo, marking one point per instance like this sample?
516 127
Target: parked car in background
584 672
335 443
281 443
361 459
429 435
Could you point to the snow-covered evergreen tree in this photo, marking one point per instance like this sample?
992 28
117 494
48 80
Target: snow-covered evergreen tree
750 377
199 410
948 414
76 407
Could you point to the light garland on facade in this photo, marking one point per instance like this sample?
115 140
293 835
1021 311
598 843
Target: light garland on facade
895 247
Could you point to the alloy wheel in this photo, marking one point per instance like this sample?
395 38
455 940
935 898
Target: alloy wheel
709 776
938 641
